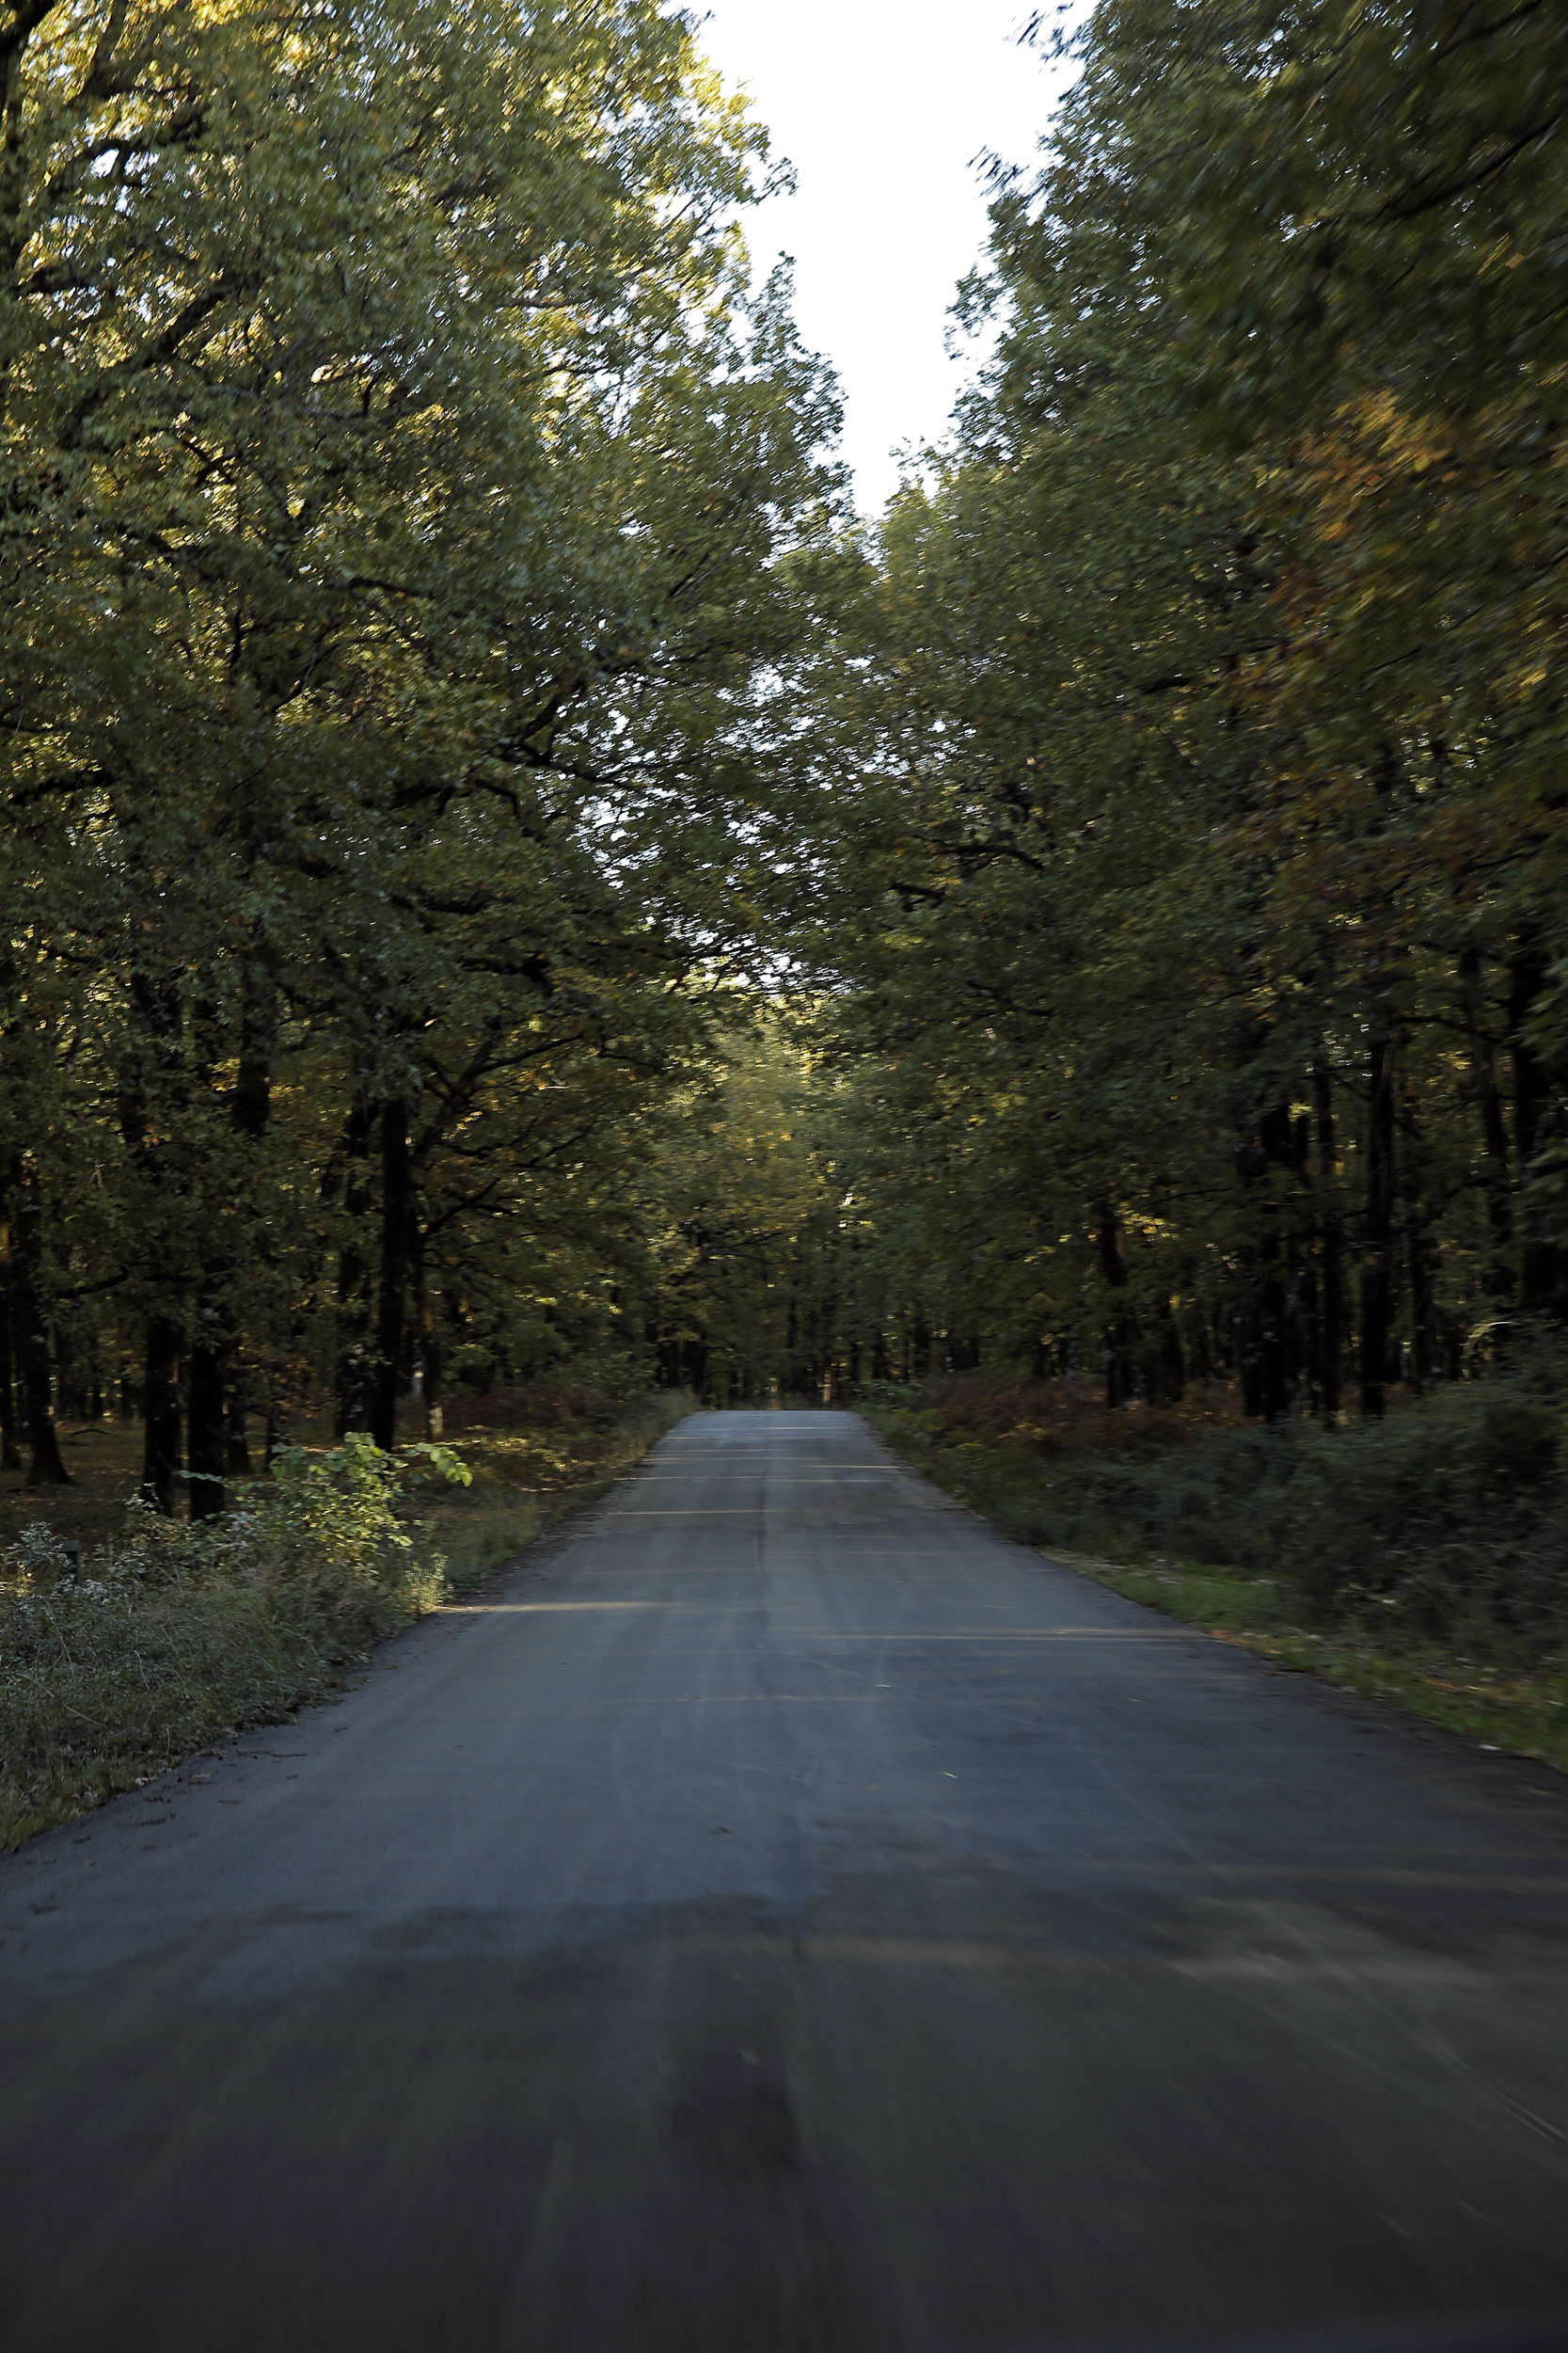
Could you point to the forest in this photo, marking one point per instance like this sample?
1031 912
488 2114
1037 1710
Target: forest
509 880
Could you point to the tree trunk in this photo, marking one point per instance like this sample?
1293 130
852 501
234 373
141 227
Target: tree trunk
1500 1279
1543 1287
1274 1146
71 1402
397 1220
1331 1254
1377 1264
430 1346
1273 1382
250 1104
236 1443
1426 1340
161 1452
1168 1383
208 1416
1421 1255
30 1330
275 1435
10 1438
353 1369
249 1111
1121 1331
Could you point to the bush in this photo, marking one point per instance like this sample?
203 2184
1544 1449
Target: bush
1449 1515
1447 1518
184 1628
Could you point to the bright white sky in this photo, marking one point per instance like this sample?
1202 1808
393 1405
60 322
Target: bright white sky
882 106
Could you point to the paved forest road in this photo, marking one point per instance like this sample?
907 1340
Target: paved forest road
788 1917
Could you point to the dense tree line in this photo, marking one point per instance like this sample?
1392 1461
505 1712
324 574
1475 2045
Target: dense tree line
407 523
1192 877
436 669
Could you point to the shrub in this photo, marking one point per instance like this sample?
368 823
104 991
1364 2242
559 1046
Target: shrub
1447 1518
183 1629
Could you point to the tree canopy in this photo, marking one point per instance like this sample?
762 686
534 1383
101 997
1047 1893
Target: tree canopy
504 868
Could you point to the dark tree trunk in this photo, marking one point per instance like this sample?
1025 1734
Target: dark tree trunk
237 1444
1310 1319
1121 1331
396 1220
1420 1256
70 1395
1275 1146
1251 1366
1543 1287
430 1342
161 1451
1167 1380
250 1104
1331 1254
1426 1339
1199 1359
1274 1383
30 1331
249 1112
208 1413
1271 1346
10 1434
353 1369
1500 1280
156 1061
1377 1264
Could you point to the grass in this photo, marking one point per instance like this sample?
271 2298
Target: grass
1449 1602
101 1690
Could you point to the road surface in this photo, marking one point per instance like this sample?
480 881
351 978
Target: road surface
785 1914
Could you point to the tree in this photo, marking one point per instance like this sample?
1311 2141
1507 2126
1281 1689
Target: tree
377 610
1200 859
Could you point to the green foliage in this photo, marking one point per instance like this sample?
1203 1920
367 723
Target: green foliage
178 1632
1444 1523
1191 924
324 1530
403 571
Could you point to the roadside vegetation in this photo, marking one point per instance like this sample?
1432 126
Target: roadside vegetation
1422 1558
129 1638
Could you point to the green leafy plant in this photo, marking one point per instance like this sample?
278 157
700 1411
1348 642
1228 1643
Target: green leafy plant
183 1630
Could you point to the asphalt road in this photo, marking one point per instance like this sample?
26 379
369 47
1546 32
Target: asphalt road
786 1915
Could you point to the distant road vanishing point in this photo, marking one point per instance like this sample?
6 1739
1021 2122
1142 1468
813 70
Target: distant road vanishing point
783 1916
